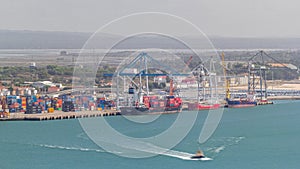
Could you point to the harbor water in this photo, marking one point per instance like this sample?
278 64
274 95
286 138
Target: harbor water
259 137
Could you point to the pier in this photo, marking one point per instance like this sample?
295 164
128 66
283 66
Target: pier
58 115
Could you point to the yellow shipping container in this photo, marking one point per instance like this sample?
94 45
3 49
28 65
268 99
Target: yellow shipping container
50 110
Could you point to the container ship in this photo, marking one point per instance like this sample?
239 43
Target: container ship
145 104
152 105
249 101
240 103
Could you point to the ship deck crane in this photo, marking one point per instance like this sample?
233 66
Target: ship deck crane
172 87
227 80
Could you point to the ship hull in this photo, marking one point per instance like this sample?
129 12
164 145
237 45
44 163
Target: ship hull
208 107
145 111
240 104
133 110
199 106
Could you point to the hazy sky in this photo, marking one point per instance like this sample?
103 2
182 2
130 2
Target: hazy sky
237 18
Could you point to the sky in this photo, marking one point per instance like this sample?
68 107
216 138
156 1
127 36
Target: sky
227 18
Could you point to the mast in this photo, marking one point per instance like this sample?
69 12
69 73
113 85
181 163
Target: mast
171 93
147 79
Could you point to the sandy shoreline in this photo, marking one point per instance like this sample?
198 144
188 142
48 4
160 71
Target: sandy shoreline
275 85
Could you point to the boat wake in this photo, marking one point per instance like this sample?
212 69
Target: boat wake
156 150
84 149
70 148
212 148
75 148
178 154
216 146
160 151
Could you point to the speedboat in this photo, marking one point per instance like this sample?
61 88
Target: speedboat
199 154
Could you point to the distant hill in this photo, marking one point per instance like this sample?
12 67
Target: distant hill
16 39
41 39
256 43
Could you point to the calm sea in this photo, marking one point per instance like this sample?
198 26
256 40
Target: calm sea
260 137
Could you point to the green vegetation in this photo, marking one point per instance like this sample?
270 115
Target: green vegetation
282 74
54 73
64 74
271 73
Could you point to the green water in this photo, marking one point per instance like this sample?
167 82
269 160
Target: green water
259 137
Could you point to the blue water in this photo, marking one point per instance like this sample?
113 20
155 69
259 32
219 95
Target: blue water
260 137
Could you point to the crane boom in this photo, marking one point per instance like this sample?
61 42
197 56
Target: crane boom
188 63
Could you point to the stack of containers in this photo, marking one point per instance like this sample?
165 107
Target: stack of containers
146 100
23 103
12 103
3 104
108 104
111 104
170 101
53 103
42 103
32 106
67 106
178 101
85 103
19 104
92 104
59 104
48 103
77 103
101 103
161 103
154 102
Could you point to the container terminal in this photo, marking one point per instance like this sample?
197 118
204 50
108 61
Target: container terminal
28 104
